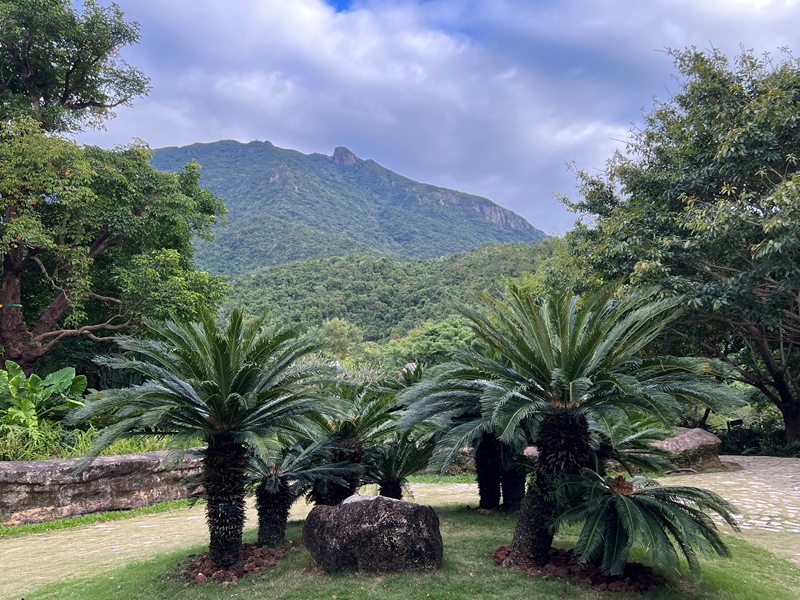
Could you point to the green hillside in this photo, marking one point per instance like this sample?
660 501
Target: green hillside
284 205
384 297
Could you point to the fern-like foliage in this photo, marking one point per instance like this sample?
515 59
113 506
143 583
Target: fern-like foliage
389 465
242 379
666 522
296 468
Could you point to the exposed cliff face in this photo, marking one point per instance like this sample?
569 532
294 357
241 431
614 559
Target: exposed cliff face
501 216
487 209
284 206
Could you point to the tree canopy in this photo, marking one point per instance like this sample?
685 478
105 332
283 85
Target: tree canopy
705 204
62 67
92 238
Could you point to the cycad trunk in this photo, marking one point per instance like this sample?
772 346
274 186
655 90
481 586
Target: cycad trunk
563 444
273 514
391 489
224 479
513 488
331 494
488 468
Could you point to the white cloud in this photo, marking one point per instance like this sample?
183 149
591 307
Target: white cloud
489 96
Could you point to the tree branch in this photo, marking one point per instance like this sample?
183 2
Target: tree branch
87 330
105 299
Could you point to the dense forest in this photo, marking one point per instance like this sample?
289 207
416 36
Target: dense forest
382 296
284 205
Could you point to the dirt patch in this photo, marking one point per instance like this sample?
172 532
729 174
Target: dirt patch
199 568
565 565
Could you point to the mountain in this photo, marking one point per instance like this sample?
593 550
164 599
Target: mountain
284 205
385 297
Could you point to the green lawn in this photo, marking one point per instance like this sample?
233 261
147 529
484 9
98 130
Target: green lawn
432 478
468 573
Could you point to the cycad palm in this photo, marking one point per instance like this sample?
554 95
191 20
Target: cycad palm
280 476
229 386
543 366
392 463
358 418
451 410
617 517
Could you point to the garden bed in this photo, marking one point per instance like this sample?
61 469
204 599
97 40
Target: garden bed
564 564
199 568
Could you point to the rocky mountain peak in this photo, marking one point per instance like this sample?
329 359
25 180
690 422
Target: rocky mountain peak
344 156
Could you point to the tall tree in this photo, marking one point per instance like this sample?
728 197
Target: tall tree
91 239
705 204
62 67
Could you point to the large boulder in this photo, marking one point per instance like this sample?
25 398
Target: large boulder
696 449
374 534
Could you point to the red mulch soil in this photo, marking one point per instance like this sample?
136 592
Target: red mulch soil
198 568
564 564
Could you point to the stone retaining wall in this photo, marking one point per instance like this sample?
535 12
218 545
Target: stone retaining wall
36 491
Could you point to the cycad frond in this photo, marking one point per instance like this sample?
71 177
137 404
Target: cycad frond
297 466
203 379
660 520
397 459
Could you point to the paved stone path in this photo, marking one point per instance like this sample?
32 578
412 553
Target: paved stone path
766 493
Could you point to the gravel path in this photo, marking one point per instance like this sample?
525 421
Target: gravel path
766 493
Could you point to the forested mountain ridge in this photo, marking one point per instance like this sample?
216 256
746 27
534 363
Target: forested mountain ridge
284 205
382 296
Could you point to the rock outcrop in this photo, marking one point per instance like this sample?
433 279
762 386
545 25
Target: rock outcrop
344 157
36 491
374 534
463 463
693 449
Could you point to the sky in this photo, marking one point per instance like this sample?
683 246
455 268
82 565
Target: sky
491 97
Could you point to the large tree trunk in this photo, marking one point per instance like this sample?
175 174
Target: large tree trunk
489 468
791 420
563 444
224 465
25 345
273 514
14 333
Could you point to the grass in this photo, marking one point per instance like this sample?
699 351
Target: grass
463 478
468 572
9 531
